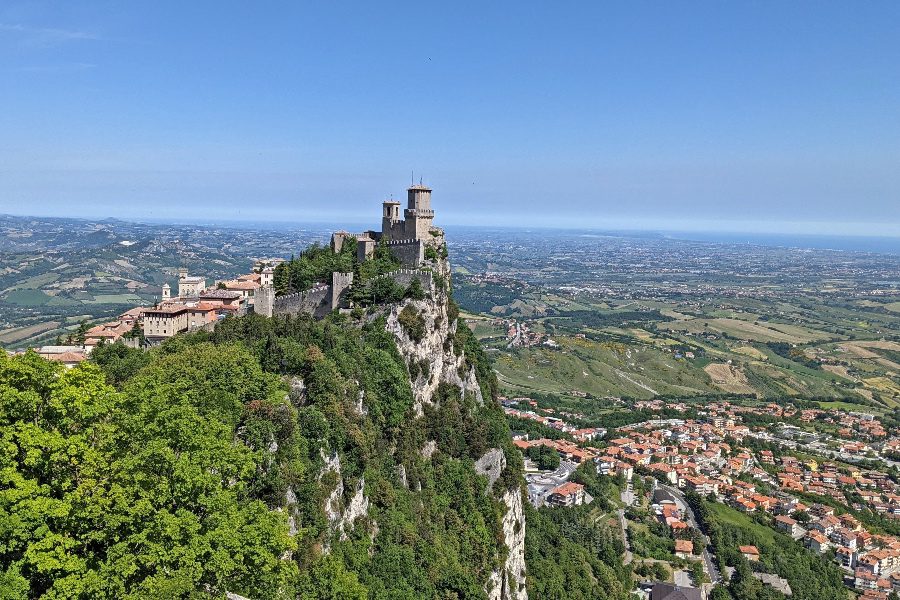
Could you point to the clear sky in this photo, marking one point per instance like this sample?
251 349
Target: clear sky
767 116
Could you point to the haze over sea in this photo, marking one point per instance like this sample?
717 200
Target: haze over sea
853 243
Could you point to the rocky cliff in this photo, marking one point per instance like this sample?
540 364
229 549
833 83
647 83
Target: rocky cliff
434 356
398 470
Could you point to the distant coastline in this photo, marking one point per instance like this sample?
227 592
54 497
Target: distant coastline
849 243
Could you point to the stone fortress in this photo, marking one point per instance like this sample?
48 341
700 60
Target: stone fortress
408 238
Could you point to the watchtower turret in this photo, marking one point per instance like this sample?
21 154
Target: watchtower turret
390 217
418 213
418 198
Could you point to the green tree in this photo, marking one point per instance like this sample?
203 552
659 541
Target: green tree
414 290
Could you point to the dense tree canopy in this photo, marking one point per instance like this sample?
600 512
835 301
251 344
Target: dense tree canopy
198 467
570 556
139 493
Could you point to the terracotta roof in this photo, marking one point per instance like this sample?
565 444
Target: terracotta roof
241 285
220 294
568 488
67 357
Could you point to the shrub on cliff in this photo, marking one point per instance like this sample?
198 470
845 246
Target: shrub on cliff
412 322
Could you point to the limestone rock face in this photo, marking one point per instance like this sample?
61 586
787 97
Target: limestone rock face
445 366
433 361
491 465
509 583
434 349
341 518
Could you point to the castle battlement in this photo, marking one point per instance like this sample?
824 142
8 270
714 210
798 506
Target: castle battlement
403 277
407 236
401 242
298 295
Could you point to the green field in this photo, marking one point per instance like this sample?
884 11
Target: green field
730 515
632 345
27 297
10 336
748 330
131 299
601 369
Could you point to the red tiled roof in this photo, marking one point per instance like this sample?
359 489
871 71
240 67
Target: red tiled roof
568 488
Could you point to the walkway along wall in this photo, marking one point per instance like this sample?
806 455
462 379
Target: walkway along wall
322 299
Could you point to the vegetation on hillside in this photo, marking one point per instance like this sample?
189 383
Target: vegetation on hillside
317 263
174 472
572 556
811 576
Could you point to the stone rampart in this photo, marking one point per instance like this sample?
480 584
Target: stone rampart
403 277
410 252
314 301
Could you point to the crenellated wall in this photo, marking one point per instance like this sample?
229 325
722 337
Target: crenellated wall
322 299
410 252
314 301
403 277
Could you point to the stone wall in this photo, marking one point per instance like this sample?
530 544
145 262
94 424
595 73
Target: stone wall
322 299
403 277
314 301
340 283
264 301
411 253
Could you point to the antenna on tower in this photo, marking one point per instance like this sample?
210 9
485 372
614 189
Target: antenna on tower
412 178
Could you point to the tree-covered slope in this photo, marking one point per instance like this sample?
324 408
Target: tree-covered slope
270 458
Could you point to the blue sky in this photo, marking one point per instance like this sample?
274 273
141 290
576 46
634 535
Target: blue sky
765 116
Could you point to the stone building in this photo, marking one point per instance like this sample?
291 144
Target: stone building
408 237
189 287
164 322
169 319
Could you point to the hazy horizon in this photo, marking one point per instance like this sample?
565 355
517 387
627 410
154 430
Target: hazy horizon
884 244
771 117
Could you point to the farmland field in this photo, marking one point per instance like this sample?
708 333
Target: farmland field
643 319
9 336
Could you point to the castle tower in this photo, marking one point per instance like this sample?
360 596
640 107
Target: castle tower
166 292
337 240
267 276
390 219
418 197
340 283
418 213
264 301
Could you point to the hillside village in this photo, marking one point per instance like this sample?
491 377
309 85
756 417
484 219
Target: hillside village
412 240
720 457
298 412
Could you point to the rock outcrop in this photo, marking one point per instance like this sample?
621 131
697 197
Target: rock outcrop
434 349
509 583
445 365
340 517
433 358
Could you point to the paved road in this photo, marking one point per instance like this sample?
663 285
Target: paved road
711 569
540 484
628 555
819 448
627 495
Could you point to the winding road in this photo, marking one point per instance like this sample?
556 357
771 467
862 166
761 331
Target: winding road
714 575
